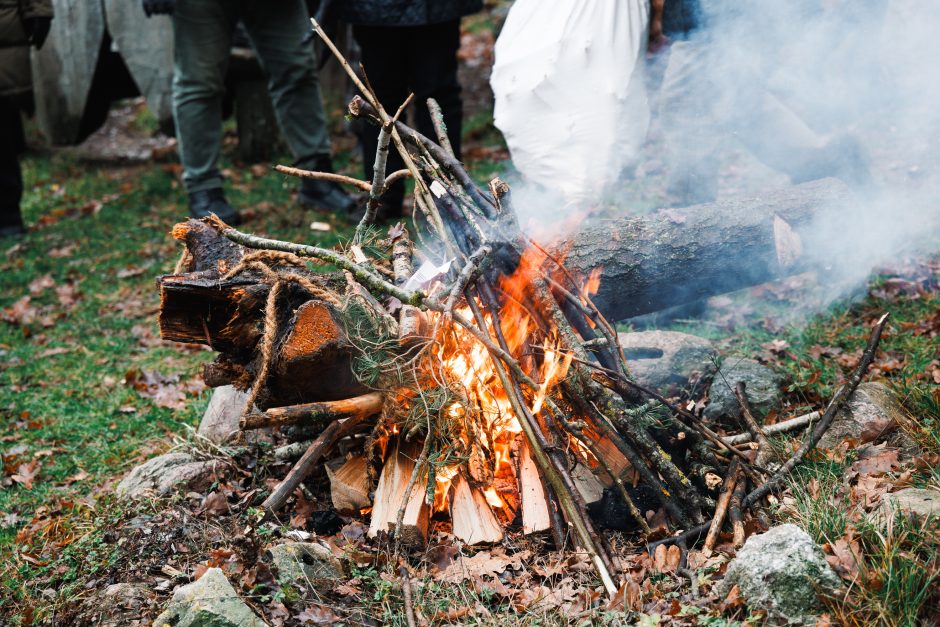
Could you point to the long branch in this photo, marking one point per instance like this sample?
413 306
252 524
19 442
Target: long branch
367 278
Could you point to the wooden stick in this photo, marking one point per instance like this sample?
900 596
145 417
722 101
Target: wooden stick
358 406
727 490
406 591
780 427
764 450
734 512
379 183
440 129
323 176
304 466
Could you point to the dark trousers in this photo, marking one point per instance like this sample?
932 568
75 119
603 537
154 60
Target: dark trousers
11 179
403 59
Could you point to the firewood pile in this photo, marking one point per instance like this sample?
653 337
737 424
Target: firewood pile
467 376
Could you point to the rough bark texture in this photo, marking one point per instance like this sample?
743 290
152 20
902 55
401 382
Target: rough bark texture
682 255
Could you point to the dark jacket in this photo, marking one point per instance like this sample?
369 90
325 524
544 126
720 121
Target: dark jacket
15 76
405 12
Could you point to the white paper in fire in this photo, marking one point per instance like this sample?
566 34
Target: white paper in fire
570 97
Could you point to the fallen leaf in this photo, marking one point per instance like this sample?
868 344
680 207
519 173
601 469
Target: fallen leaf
628 598
666 559
875 460
483 564
26 474
40 284
846 557
317 615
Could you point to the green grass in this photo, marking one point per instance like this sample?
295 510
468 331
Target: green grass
63 401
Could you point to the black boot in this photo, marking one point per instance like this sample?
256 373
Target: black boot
207 201
11 224
325 195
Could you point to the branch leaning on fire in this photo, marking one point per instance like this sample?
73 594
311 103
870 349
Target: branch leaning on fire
510 310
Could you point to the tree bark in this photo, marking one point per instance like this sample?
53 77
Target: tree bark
682 255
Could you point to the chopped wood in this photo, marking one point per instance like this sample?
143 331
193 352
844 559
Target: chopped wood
588 484
472 519
390 495
349 486
535 514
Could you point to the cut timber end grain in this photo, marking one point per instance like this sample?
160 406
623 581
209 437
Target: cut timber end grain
473 520
535 515
390 494
313 329
349 486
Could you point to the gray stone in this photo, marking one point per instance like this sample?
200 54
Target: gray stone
919 503
210 601
122 605
220 422
872 407
762 384
127 595
164 473
305 561
668 361
781 571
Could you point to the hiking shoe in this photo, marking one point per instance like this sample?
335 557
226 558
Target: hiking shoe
324 195
12 230
207 201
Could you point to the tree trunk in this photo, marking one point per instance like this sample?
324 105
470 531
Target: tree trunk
682 255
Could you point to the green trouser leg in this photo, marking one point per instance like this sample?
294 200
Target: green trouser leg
202 30
277 34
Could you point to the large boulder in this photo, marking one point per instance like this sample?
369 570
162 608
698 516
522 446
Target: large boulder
668 361
873 414
162 474
210 601
308 562
781 571
762 384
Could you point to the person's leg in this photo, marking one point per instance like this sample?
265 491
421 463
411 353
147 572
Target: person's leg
432 73
383 58
202 34
11 178
277 35
687 118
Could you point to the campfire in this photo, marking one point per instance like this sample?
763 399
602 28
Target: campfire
468 380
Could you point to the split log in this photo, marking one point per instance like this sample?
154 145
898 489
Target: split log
390 495
349 486
472 519
535 514
320 413
667 259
